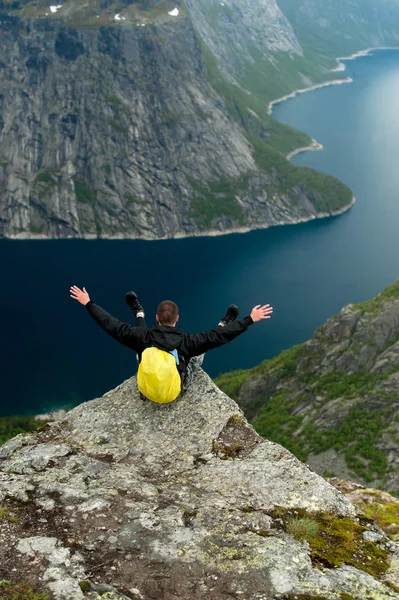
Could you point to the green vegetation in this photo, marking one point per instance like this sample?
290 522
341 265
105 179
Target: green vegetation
358 435
85 585
303 528
328 474
83 193
336 385
359 430
20 591
326 192
384 513
132 199
37 228
6 514
285 363
276 422
118 126
12 426
47 177
388 294
218 199
336 540
348 31
272 140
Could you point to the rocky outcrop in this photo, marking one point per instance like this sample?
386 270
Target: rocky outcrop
334 400
263 29
127 499
123 123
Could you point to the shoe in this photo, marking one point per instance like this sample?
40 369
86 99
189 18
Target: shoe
231 314
133 303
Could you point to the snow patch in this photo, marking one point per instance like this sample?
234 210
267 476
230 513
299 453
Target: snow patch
117 17
55 8
174 12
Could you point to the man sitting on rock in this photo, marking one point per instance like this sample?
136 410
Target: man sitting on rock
168 357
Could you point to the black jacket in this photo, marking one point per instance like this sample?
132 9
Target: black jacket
165 337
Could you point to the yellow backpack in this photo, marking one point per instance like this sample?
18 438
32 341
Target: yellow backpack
158 378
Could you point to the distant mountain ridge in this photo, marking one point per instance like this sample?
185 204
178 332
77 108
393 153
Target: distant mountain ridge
149 120
334 400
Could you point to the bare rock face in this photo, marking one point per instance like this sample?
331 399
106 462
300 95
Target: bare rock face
126 499
122 122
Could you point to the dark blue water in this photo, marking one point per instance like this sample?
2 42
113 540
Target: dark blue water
53 354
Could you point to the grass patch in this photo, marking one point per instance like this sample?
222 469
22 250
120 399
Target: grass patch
47 177
231 383
83 193
37 228
303 528
20 591
337 541
336 385
218 199
387 295
12 426
276 422
385 514
6 514
131 199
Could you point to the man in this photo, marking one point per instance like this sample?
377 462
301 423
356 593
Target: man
188 349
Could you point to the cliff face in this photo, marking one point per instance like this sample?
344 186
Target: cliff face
125 499
118 120
334 400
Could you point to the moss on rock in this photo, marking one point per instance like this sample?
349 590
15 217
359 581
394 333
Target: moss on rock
338 541
20 591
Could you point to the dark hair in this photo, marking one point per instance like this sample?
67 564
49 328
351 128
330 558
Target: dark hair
167 312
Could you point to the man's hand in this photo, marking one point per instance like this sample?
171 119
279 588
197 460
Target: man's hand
79 295
261 312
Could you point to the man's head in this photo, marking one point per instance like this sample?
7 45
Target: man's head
167 313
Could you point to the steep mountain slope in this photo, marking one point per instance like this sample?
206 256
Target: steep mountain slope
330 28
125 500
334 401
117 119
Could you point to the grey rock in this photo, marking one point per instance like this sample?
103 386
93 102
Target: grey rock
157 511
373 536
110 129
26 460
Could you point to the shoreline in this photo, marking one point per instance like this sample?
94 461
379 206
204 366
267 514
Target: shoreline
306 90
210 233
341 67
313 147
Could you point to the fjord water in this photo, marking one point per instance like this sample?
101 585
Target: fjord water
53 354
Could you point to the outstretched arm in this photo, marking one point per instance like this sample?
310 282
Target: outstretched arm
120 331
199 343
